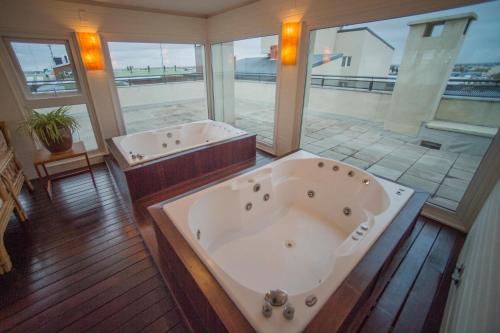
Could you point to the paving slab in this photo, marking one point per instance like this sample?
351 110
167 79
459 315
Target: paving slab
312 148
443 202
343 149
369 155
418 183
396 162
333 155
460 174
424 172
357 162
457 183
467 162
450 193
384 172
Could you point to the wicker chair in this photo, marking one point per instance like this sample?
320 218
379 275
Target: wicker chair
12 179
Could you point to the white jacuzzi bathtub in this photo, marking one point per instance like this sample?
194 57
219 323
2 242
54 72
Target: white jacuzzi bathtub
145 146
320 217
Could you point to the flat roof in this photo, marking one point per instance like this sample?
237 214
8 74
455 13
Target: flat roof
469 15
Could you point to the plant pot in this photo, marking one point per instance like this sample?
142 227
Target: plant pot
62 145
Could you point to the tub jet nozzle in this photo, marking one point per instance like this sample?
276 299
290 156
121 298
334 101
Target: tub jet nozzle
267 310
288 311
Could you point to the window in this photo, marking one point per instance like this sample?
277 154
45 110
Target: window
434 29
244 85
158 84
47 75
346 61
399 112
47 67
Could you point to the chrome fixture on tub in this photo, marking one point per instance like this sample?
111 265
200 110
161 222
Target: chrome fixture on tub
267 310
276 297
347 211
289 311
311 300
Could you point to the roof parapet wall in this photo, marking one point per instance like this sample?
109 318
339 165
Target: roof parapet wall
469 15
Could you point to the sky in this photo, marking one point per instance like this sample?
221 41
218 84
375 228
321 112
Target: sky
482 43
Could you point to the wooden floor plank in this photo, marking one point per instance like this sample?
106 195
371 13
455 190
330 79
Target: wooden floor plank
77 271
419 300
92 309
132 309
393 297
167 323
146 317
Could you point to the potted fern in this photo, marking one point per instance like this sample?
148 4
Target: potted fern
54 129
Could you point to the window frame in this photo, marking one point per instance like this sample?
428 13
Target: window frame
107 38
28 101
21 78
271 149
483 180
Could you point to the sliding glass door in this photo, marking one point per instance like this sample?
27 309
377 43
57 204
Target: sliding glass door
415 100
159 84
244 85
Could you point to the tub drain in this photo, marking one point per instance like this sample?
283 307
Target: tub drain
347 211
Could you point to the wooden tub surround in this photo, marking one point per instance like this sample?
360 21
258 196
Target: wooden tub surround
207 307
174 170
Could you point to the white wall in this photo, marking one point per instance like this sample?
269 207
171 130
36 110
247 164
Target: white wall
473 306
49 18
376 57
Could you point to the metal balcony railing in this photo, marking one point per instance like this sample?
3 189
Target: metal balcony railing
455 87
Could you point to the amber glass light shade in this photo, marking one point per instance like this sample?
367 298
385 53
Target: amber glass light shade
90 48
289 42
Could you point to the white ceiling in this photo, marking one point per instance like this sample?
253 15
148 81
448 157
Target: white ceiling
202 8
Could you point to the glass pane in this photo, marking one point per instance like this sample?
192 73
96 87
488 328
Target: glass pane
159 85
244 75
46 67
85 133
415 100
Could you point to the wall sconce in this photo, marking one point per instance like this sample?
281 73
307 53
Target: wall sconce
90 48
289 42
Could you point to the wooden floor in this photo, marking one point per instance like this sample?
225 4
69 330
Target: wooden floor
80 264
410 295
